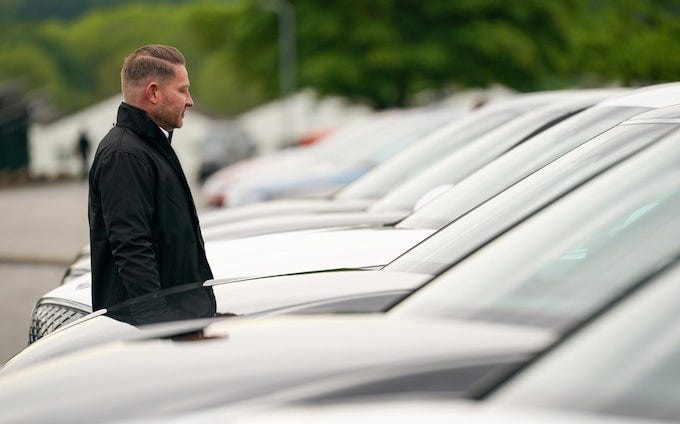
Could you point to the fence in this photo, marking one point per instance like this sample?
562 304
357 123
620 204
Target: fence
14 121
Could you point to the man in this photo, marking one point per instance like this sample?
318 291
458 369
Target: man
83 150
144 230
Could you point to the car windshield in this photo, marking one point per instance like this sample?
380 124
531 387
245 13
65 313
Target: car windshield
469 232
458 165
517 164
383 138
380 180
625 363
566 262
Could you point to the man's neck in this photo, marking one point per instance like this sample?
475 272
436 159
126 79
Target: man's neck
168 135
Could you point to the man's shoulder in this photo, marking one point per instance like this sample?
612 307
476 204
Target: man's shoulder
123 140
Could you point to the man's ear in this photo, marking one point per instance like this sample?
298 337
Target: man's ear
152 92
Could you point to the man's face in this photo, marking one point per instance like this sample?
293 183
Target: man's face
175 99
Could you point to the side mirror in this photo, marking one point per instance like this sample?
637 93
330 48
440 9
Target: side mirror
431 194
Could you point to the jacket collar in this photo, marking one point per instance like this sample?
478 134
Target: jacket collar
140 122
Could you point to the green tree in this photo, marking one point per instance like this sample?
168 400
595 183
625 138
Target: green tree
381 52
626 41
240 67
384 51
30 65
89 51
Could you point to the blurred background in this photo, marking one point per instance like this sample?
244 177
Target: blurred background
280 71
271 74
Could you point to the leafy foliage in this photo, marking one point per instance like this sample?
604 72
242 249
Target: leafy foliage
37 10
381 52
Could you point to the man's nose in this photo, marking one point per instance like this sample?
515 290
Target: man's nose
190 101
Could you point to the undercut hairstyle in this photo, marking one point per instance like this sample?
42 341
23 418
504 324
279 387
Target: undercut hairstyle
153 60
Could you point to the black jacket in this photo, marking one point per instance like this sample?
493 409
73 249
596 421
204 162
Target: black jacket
144 231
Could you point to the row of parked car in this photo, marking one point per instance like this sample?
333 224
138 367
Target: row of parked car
519 263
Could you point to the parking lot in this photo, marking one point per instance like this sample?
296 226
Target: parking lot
564 237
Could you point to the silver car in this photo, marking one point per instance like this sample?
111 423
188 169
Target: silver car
474 325
470 232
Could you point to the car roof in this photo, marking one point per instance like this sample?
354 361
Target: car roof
651 96
666 114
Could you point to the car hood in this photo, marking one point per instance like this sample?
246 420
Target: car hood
239 360
270 295
280 207
297 222
279 254
387 409
304 251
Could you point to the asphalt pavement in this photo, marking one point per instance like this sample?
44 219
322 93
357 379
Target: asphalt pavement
42 227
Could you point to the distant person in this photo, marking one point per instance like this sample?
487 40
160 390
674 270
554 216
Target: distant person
144 231
83 151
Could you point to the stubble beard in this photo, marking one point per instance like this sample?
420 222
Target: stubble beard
172 120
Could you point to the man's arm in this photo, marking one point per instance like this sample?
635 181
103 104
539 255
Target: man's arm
126 189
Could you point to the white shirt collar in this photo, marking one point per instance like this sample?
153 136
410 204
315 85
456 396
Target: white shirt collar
167 134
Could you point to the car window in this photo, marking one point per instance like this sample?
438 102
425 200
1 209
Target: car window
449 138
391 137
459 164
518 163
472 230
339 140
574 257
625 363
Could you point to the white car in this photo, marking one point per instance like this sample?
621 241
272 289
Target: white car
283 215
361 248
427 172
432 146
371 291
465 155
325 167
467 331
391 409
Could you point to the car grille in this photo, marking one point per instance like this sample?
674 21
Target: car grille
48 317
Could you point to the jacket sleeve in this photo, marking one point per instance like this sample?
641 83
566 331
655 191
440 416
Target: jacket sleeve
126 189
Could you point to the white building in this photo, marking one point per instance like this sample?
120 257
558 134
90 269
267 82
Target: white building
53 152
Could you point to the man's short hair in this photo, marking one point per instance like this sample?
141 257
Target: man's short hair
153 60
